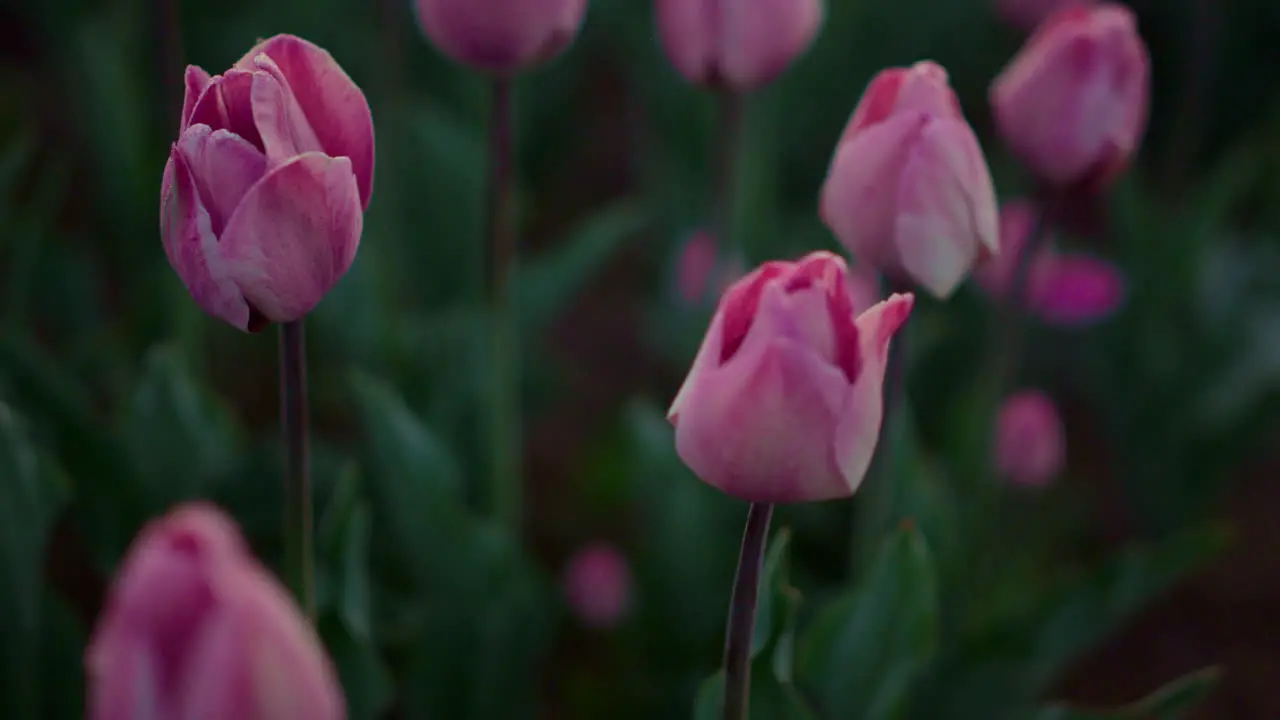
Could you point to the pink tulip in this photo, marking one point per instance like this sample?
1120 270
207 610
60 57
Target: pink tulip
736 45
702 273
1062 289
194 627
263 196
784 400
1028 14
908 191
1073 104
1030 444
597 583
501 36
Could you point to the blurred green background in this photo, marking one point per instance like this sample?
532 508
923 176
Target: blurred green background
1156 554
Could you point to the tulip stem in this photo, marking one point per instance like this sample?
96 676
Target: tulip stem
729 133
504 406
1016 311
299 568
742 612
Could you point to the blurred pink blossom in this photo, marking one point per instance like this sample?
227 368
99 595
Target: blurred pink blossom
703 270
1030 444
597 583
1028 14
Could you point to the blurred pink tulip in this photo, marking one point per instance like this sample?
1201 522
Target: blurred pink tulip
597 583
1062 289
736 45
501 36
263 196
784 400
701 273
908 191
1073 104
195 627
1028 14
1030 444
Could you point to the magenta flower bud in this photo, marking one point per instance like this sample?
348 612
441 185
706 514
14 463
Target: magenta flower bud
736 45
703 273
908 191
784 400
1073 104
1028 14
1062 289
597 583
194 627
501 36
263 196
1030 444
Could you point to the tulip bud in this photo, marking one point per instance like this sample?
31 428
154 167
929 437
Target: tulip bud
1028 14
263 195
908 191
501 36
784 400
736 45
1030 445
194 627
1073 104
597 583
1062 289
701 273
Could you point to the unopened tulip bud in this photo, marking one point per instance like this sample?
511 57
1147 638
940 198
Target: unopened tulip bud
784 400
703 271
195 627
1030 444
908 191
1028 14
501 36
736 45
597 583
1073 104
263 196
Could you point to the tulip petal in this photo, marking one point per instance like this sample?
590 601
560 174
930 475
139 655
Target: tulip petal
192 247
278 117
124 681
195 81
858 430
223 166
224 105
294 235
1076 290
947 206
333 105
759 40
759 428
687 30
860 196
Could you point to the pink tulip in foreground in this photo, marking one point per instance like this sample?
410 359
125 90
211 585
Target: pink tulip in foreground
908 191
784 400
1030 444
195 627
501 36
1073 104
1028 14
736 45
597 583
263 196
1068 289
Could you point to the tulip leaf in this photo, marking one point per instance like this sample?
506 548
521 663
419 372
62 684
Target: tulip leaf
31 496
366 680
343 544
865 651
1171 702
775 592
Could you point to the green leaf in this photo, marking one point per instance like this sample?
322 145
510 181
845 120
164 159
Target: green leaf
549 282
774 589
864 652
30 498
181 437
343 544
1171 702
365 678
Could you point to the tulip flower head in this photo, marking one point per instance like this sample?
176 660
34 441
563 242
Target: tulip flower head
501 36
1073 104
1030 444
1063 289
784 400
908 191
263 195
597 583
195 627
738 45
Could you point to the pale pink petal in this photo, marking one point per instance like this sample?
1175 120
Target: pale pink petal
761 39
223 166
224 105
295 235
878 101
194 83
688 31
278 116
925 88
123 679
995 273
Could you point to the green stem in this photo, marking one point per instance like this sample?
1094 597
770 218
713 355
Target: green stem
299 568
742 612
731 124
506 483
